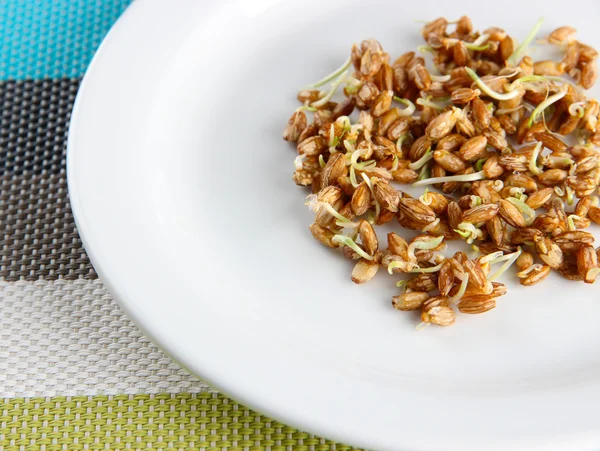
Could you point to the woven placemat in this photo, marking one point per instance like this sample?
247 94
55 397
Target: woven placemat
75 373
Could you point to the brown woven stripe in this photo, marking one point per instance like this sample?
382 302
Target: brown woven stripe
39 239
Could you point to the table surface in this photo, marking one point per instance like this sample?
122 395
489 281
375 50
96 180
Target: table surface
75 373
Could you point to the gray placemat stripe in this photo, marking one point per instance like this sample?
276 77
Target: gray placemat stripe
39 239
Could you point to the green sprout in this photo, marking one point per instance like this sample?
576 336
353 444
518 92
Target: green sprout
425 172
479 164
426 270
410 107
334 75
489 91
347 241
400 142
510 259
306 108
514 59
321 161
370 185
428 103
528 212
428 155
315 205
424 198
545 104
571 222
452 178
424 243
464 281
533 167
334 87
426 49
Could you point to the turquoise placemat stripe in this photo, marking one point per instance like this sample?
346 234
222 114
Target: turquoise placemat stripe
52 38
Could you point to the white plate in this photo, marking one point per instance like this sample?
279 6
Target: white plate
180 183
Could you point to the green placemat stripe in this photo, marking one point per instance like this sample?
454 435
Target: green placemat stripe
184 421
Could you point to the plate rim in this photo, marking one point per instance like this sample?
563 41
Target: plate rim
134 13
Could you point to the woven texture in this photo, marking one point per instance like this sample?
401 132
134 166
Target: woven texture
39 239
62 333
52 38
70 338
144 422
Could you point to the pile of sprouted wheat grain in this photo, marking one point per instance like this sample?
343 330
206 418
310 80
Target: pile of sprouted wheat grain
490 133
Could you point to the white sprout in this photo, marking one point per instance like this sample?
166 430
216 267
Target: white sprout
595 201
321 161
306 108
370 185
464 278
299 161
526 79
425 172
422 326
401 283
573 168
528 270
334 87
475 201
365 165
501 111
491 257
571 222
497 185
509 261
528 212
347 241
515 191
478 44
514 59
425 49
426 270
545 104
403 265
353 177
400 141
395 162
333 140
489 91
429 227
410 107
452 178
429 103
440 78
468 231
533 167
424 198
570 195
315 205
334 75
349 145
559 191
428 155
422 244
577 109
